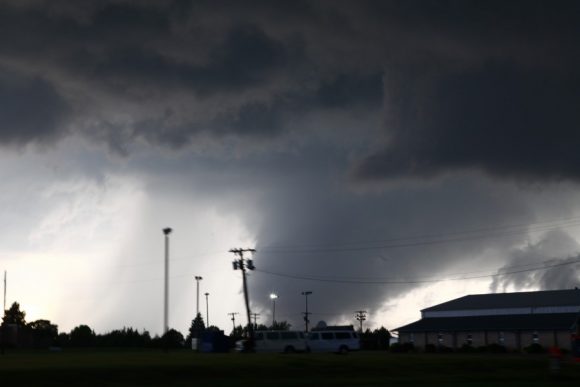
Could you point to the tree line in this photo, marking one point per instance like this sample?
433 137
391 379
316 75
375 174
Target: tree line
16 332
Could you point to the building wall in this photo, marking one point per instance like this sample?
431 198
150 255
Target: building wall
477 339
432 338
512 340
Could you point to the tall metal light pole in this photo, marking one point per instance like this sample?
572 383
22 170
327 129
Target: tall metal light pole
306 320
206 310
197 279
273 297
166 232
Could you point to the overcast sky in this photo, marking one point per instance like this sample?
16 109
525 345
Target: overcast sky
366 149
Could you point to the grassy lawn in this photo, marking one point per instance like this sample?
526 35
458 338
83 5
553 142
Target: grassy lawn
185 368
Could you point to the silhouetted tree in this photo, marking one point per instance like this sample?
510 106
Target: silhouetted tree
63 340
261 327
14 315
281 326
377 339
44 333
237 333
197 326
173 339
213 328
195 330
82 336
126 337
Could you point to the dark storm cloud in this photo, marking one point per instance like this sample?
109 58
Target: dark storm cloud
30 110
245 58
501 118
256 119
468 85
511 112
256 73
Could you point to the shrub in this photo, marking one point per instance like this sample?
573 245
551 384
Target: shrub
466 348
535 348
402 348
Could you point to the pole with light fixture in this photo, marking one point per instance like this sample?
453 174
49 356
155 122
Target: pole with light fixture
273 297
166 232
197 279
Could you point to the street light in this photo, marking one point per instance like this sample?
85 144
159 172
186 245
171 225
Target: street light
306 321
273 297
207 309
166 232
197 279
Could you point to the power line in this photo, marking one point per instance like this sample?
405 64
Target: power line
526 226
431 239
416 281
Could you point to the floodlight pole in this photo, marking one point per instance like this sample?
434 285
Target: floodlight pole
197 279
273 297
166 232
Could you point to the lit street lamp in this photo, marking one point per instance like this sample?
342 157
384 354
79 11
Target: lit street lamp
273 297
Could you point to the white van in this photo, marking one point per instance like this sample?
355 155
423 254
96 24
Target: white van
341 341
280 341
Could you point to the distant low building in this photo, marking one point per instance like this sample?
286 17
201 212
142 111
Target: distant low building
513 320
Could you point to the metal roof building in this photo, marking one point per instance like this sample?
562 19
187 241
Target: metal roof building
514 320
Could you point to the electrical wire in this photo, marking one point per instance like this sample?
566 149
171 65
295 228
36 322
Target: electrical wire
375 281
428 239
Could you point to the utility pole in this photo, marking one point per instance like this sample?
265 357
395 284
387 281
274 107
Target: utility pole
361 315
306 320
255 317
245 264
166 232
206 310
233 314
197 279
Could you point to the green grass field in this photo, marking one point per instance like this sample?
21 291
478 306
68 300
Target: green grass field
185 368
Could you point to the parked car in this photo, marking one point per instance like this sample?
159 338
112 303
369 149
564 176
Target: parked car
341 341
